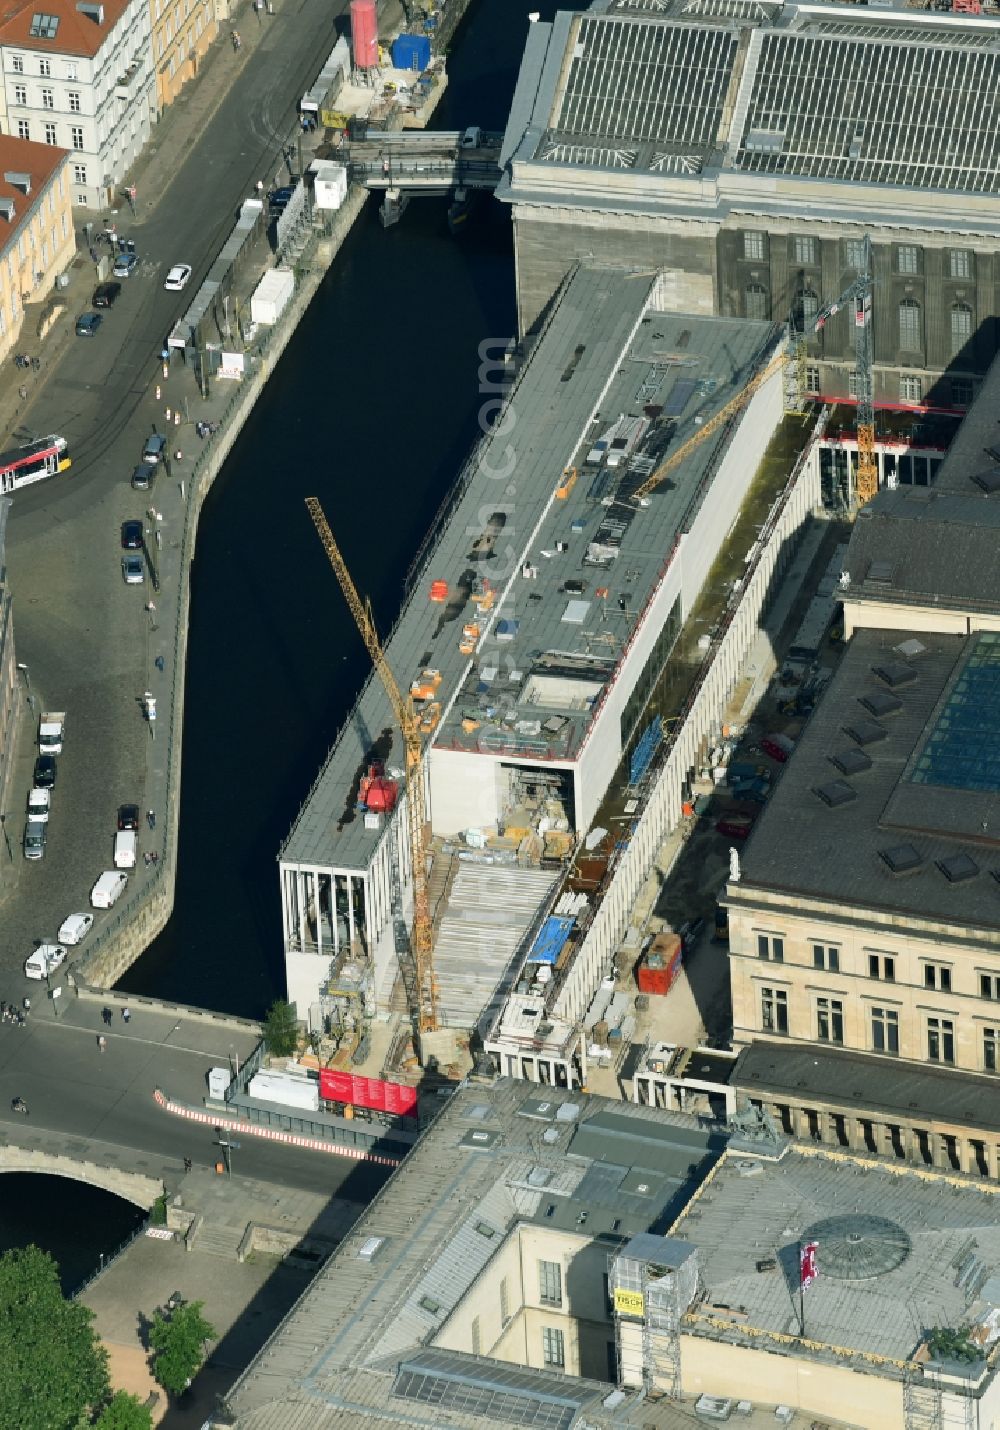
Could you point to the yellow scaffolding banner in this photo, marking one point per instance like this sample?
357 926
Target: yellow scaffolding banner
629 1303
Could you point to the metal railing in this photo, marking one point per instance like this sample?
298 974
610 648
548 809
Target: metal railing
108 1261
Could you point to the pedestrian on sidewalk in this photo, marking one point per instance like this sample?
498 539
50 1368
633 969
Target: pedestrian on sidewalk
107 1015
126 1015
188 1164
102 1042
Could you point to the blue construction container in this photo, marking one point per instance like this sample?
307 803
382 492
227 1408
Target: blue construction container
411 52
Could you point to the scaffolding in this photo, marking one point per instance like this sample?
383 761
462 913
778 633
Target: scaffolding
653 1281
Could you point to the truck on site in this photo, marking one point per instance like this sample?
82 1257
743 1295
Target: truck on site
50 732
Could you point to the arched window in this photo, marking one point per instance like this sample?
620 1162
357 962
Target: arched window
755 300
961 326
909 325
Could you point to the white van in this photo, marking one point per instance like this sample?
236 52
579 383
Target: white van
125 846
108 888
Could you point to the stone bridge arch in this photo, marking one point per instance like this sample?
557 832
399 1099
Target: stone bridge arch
133 1187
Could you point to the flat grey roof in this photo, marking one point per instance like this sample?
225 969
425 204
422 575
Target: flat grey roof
818 91
938 545
359 1339
899 1091
553 648
853 851
893 1248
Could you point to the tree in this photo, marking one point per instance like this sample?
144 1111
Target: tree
52 1366
124 1412
179 1343
281 1030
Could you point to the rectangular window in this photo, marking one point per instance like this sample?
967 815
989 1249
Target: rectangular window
65 225
72 72
79 173
812 378
907 258
20 94
910 389
50 133
852 383
504 1302
550 1283
774 1010
771 946
885 1030
76 134
961 392
882 965
3 322
989 985
74 100
804 248
960 263
830 1020
553 1348
23 129
44 68
17 64
940 1040
991 1049
753 247
826 957
938 976
854 252
476 1342
48 98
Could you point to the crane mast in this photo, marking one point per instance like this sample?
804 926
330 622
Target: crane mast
423 994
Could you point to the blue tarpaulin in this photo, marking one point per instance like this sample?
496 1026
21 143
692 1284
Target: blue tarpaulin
551 937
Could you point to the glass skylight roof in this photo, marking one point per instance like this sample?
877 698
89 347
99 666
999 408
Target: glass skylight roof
961 751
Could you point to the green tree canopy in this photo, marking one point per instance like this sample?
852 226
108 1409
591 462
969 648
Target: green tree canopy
124 1412
178 1341
281 1031
52 1366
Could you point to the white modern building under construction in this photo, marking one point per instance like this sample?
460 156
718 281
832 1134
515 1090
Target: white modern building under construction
532 638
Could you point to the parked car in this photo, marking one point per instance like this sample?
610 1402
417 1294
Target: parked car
108 888
124 264
45 771
75 928
735 826
126 845
143 476
39 802
133 571
128 816
279 199
46 958
156 445
177 278
779 747
106 295
35 832
132 535
87 324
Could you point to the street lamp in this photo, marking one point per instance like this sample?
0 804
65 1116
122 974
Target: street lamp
228 1147
6 836
24 671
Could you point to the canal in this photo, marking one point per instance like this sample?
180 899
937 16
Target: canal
372 409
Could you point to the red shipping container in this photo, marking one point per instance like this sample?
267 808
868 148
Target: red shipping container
656 973
395 1097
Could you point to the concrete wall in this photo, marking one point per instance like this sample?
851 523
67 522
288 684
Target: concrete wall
549 240
883 616
464 791
663 809
711 1366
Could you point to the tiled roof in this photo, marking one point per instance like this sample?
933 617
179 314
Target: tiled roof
78 32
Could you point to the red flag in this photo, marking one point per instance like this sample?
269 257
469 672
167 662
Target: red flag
807 1264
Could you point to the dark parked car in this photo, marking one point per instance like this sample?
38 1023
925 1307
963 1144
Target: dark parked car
106 295
279 199
132 535
128 816
45 771
87 325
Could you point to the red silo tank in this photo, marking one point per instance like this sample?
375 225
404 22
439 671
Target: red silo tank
364 34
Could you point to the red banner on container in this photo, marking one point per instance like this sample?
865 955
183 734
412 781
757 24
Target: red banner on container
395 1097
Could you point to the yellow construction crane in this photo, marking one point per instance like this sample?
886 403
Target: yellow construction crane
859 296
423 992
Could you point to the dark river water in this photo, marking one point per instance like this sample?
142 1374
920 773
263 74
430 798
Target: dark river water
372 408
